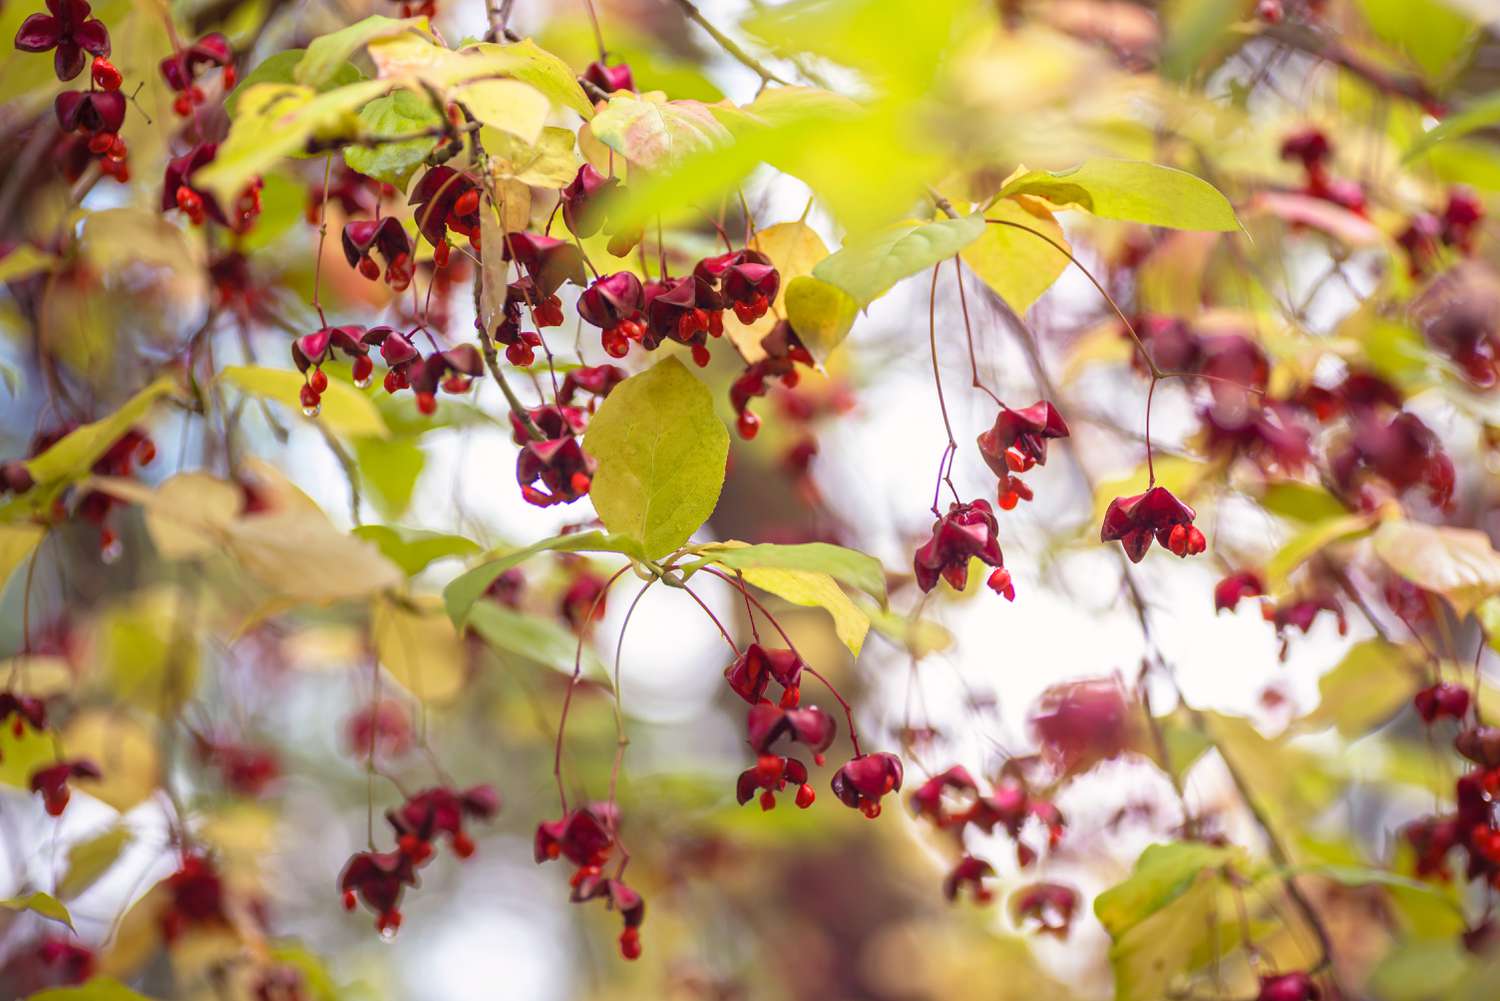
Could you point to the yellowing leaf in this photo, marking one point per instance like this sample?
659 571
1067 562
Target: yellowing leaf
794 247
275 121
147 649
1309 542
188 516
17 543
466 588
508 105
531 64
91 858
548 162
301 557
815 590
125 752
866 268
1458 563
345 409
820 313
324 55
846 565
95 989
654 133
419 647
43 904
1019 266
661 451
1372 682
1132 191
24 261
82 447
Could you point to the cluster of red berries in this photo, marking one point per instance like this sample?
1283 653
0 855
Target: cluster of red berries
90 119
199 206
246 770
1295 611
452 371
954 803
1456 228
1312 148
182 70
1016 443
387 237
587 837
378 879
783 352
195 898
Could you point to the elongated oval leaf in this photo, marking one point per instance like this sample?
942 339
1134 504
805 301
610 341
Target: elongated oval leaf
657 134
867 268
847 565
326 54
465 589
82 447
420 648
345 409
661 451
1132 191
43 904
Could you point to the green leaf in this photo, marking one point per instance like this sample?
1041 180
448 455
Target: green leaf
532 637
1480 114
867 268
1371 684
1434 35
460 595
917 636
1017 265
1304 502
412 549
1132 191
91 858
1309 542
1458 563
657 134
345 409
398 114
326 54
96 989
1161 915
820 313
276 121
43 904
661 451
77 452
278 68
389 469
815 590
847 565
1421 969
1162 874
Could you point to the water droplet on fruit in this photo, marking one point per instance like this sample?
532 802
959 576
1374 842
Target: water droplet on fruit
364 383
312 411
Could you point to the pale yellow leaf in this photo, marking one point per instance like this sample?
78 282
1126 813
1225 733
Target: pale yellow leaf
419 647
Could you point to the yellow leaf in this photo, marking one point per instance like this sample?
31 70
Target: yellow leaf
508 105
794 247
345 409
303 558
815 590
1458 563
419 647
189 516
1019 266
17 543
148 651
82 447
125 752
